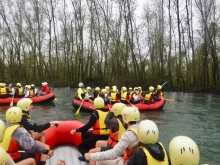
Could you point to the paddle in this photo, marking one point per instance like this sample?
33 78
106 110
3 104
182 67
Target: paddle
170 100
131 104
78 110
161 85
11 104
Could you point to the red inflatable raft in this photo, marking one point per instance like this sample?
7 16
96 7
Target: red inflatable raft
63 143
86 106
39 99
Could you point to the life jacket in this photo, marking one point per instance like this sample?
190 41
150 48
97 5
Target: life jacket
128 151
151 160
31 93
115 137
124 96
148 96
99 128
82 95
47 89
140 92
160 94
114 97
3 91
9 144
19 91
25 114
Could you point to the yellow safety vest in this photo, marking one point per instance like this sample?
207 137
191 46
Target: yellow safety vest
151 160
99 128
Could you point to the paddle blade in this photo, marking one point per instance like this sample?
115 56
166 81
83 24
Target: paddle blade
77 112
11 104
170 100
55 99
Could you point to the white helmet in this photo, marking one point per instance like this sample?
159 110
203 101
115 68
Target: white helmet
117 108
24 104
81 84
130 114
13 115
3 156
183 150
2 130
148 132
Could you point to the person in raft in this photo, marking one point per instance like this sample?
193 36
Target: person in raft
11 90
129 140
157 93
17 138
114 122
148 96
81 93
183 150
150 151
99 132
45 89
19 90
33 91
34 129
3 91
135 98
5 159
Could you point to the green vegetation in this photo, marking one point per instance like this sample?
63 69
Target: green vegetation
106 42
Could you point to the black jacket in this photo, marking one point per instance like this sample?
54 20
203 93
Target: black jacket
28 124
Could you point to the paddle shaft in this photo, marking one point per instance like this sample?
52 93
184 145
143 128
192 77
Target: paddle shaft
161 85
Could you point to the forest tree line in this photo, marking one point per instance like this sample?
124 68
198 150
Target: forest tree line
111 42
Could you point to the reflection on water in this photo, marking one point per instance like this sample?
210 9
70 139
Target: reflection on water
193 115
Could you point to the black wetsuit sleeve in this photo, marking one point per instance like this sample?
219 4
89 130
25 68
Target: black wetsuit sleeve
94 116
138 157
30 125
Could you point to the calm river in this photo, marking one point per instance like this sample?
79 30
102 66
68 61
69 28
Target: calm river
193 115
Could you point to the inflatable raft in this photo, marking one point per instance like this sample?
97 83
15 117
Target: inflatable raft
39 99
64 144
86 106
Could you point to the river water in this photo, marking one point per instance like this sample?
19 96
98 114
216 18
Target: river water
193 115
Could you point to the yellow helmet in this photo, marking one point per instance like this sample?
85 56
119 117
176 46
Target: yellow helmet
18 84
117 108
2 130
159 86
151 88
3 84
148 132
99 103
107 88
183 150
124 89
130 114
24 104
3 156
13 115
88 88
97 89
104 91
